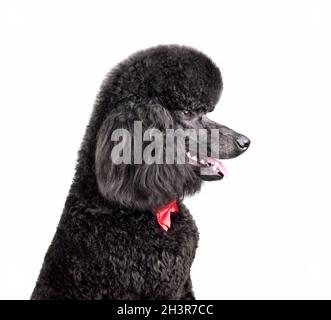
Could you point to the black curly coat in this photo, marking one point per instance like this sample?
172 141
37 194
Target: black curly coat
108 244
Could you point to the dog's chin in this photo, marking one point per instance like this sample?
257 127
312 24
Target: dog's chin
207 177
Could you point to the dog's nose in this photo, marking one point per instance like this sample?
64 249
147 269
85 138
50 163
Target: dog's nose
243 142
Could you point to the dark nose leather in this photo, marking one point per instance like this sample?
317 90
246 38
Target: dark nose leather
243 143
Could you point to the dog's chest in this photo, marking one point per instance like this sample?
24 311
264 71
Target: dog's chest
141 256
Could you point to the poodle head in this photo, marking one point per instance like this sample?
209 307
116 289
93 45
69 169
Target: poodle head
155 143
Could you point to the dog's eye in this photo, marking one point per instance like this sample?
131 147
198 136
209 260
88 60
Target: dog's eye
187 112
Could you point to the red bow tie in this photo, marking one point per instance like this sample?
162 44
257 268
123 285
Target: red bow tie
163 214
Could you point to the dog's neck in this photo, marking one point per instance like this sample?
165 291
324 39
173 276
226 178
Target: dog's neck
163 214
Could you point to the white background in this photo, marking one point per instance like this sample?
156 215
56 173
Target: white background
264 231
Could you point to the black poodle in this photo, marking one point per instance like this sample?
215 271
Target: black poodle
125 232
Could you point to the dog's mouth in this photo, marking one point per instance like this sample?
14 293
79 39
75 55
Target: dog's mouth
207 168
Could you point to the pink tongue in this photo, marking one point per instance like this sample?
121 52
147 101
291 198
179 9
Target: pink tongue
221 167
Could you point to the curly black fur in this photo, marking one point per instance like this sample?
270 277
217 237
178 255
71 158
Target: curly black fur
108 244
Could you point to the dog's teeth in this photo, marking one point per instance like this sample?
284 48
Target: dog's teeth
195 158
203 161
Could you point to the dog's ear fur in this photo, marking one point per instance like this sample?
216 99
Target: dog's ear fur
139 186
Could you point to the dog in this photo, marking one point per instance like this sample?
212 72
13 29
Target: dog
124 232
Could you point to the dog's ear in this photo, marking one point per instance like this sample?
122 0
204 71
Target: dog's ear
139 185
124 131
